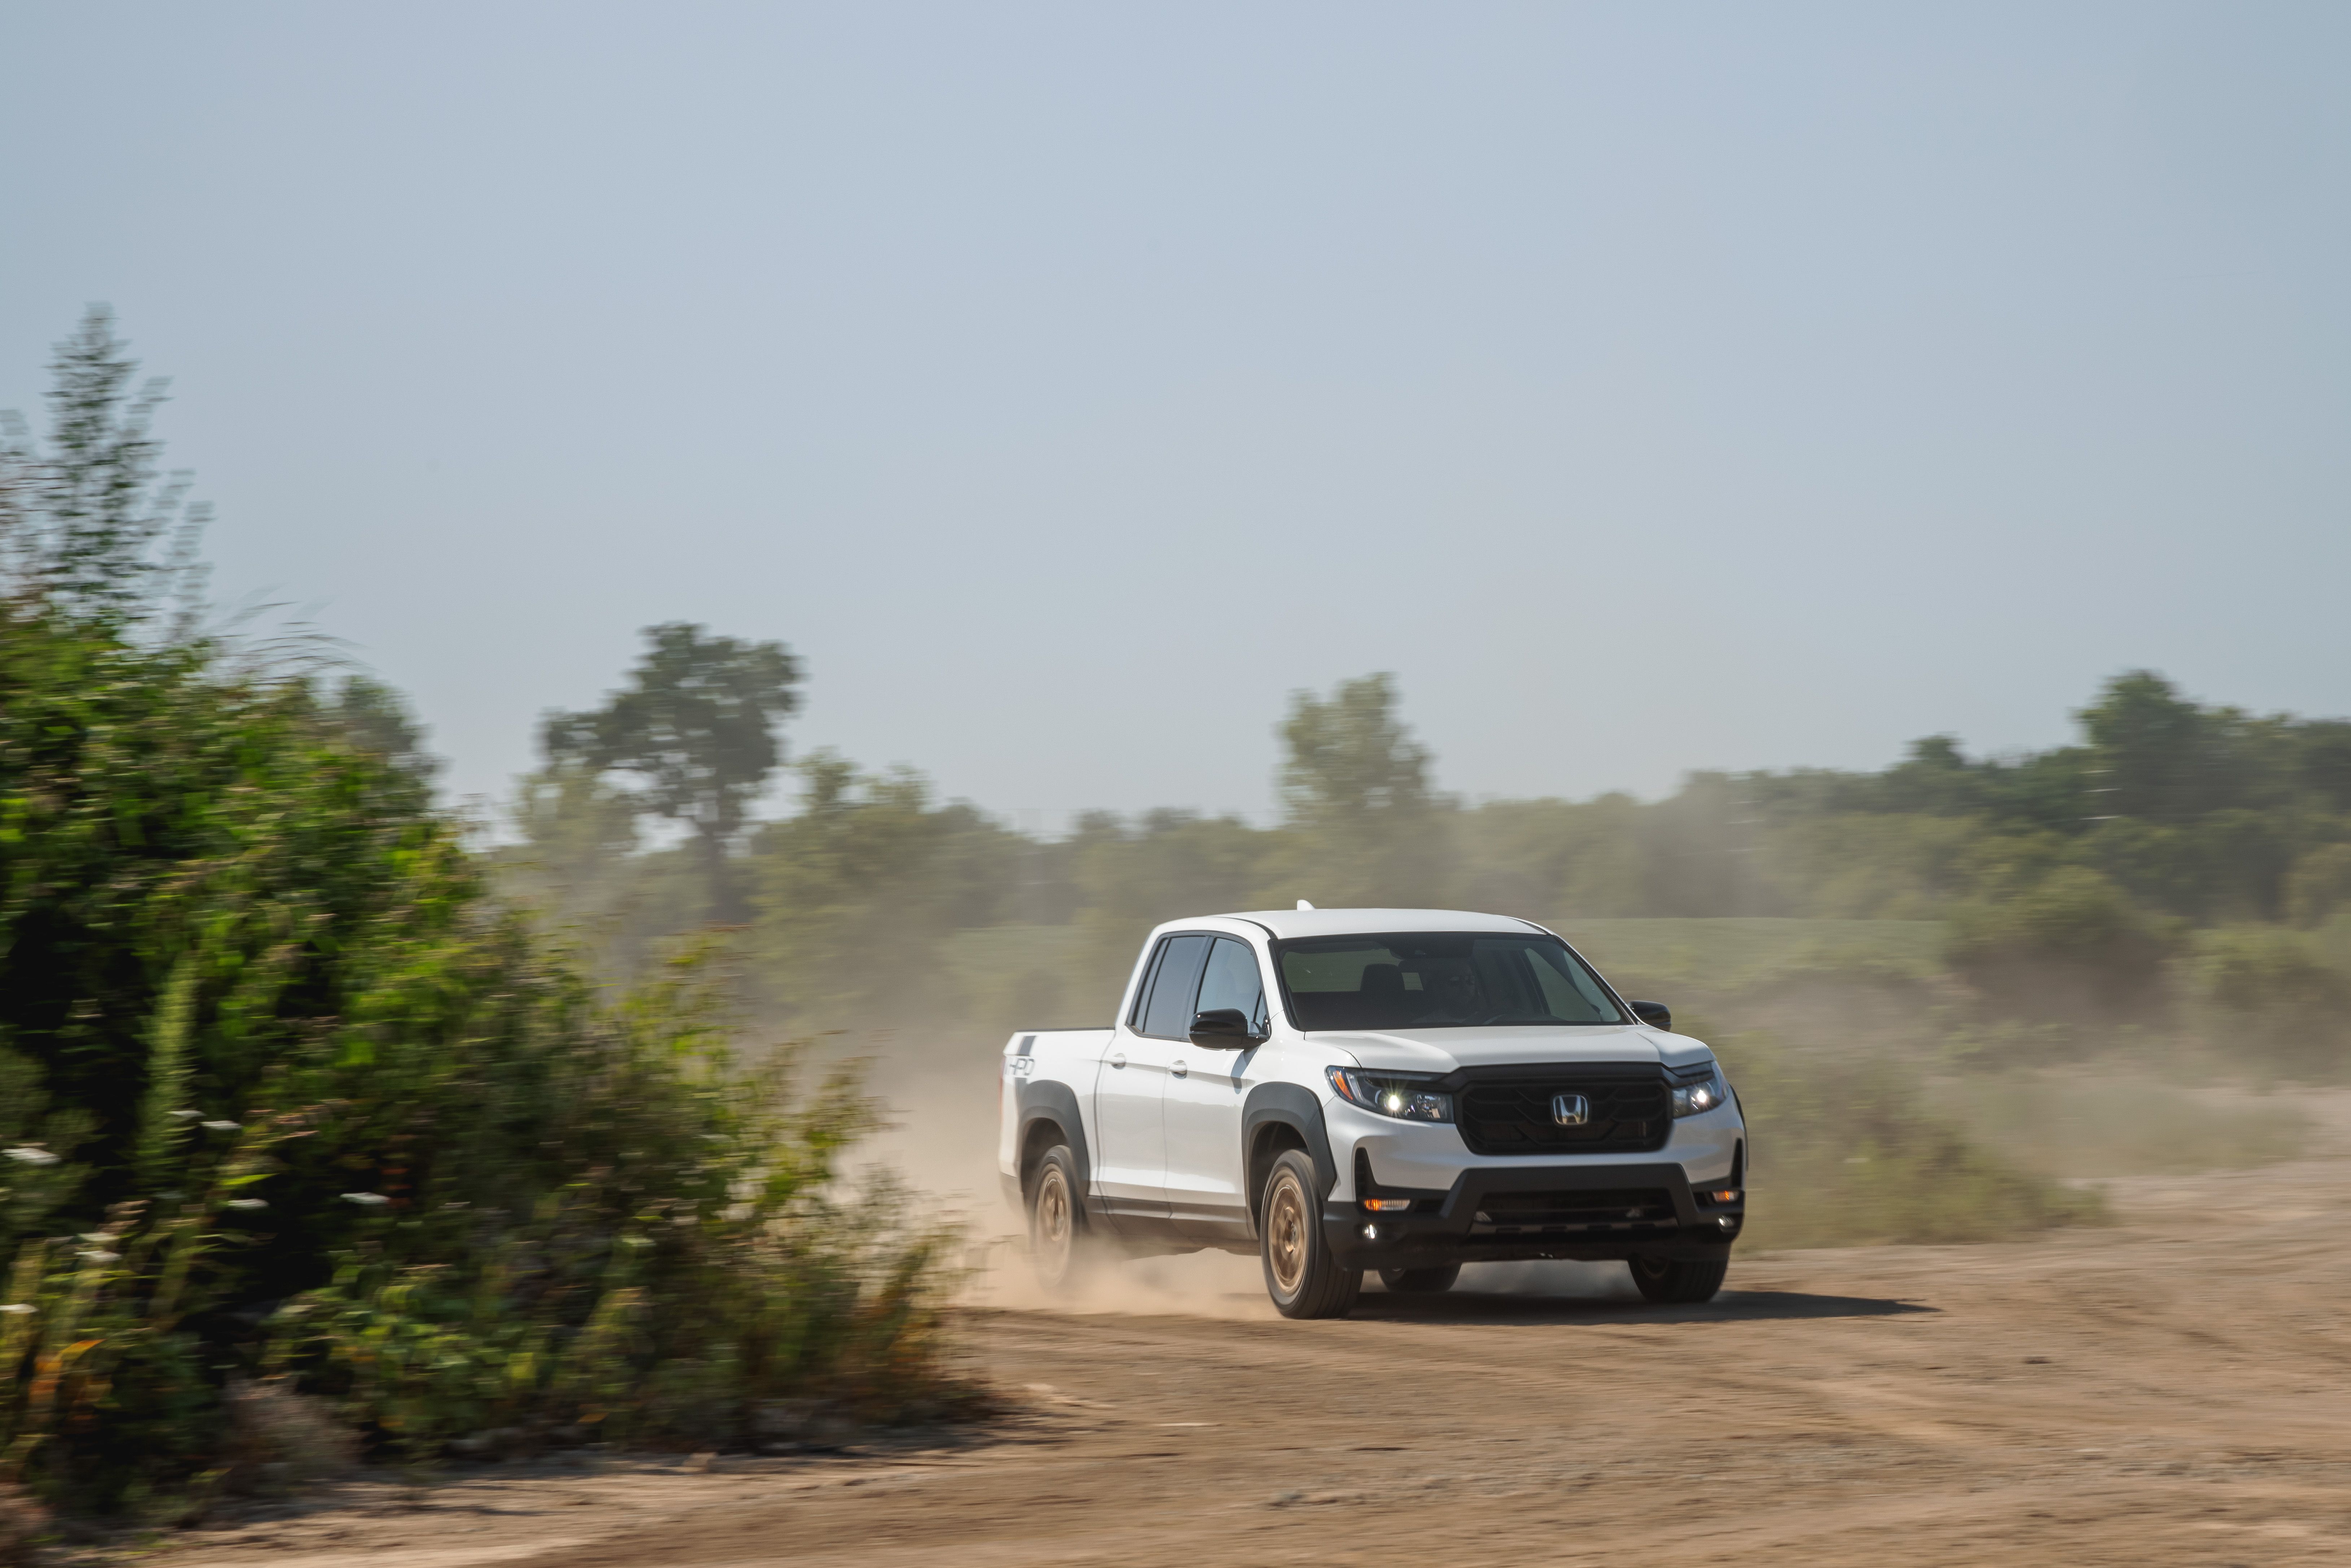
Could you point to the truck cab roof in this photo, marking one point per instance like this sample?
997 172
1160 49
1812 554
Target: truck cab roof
1287 924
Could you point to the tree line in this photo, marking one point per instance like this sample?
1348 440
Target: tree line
2079 879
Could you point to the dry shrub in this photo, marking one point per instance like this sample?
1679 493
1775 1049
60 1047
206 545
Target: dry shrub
279 1439
22 1521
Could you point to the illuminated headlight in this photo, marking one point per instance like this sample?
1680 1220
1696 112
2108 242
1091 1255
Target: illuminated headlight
1391 1094
1696 1099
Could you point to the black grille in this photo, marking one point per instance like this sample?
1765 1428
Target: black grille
1626 1115
1508 1211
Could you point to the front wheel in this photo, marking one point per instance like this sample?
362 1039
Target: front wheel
1301 1275
1055 1224
1420 1281
1679 1283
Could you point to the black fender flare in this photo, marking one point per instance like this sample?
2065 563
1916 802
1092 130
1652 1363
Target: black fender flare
1057 1103
1299 1110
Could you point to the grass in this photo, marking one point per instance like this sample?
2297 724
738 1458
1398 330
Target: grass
2094 1123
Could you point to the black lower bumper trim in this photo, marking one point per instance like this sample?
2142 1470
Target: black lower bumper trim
1507 1213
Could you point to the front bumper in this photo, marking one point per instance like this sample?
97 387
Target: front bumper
1502 1213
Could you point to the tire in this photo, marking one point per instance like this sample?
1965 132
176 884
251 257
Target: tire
1057 1222
1679 1284
1301 1275
1420 1281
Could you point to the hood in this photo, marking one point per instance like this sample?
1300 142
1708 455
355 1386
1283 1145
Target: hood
1443 1049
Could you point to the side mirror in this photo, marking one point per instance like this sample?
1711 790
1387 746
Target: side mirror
1222 1028
1656 1014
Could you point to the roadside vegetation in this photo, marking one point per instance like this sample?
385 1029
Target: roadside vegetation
309 1144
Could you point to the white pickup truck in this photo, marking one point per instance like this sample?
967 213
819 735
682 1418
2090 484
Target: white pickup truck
1398 1090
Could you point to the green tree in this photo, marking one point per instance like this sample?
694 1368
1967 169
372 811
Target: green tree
1349 757
378 719
1367 828
696 728
859 889
2163 756
80 522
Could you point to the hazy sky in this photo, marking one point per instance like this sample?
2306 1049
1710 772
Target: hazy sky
1650 387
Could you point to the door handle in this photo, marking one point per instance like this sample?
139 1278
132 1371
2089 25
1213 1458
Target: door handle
1118 1059
1178 1069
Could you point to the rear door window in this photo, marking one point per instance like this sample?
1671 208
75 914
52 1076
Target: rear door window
1143 991
1168 1013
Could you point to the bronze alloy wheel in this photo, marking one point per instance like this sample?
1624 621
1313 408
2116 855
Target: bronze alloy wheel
1052 1224
1285 1233
1302 1275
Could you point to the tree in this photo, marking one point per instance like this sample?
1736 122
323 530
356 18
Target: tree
858 891
2156 746
1350 757
377 718
696 727
1354 786
79 523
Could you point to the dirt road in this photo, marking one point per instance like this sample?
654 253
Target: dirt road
2177 1389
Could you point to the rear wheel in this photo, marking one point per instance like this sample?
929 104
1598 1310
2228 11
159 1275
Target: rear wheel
1056 1226
1301 1275
1679 1283
1420 1281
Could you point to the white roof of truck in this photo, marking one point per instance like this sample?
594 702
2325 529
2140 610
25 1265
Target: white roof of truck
1286 923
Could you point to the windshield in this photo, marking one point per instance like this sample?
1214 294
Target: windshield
1440 980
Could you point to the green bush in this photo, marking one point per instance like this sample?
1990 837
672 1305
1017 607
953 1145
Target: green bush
286 1096
2319 885
2068 945
2270 999
1845 1152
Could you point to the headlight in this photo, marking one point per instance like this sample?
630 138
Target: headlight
1391 1094
1705 1095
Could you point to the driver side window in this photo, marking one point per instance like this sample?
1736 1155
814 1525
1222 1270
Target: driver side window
1233 980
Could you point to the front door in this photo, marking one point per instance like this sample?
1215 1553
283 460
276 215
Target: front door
1205 1087
1130 1088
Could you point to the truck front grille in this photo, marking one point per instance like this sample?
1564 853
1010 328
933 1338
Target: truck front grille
1629 1114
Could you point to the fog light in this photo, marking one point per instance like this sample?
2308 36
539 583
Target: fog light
1727 1221
1371 1233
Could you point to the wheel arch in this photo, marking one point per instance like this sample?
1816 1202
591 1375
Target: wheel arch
1049 1116
1279 1116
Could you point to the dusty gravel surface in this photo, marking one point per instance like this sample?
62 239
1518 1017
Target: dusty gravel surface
2175 1389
